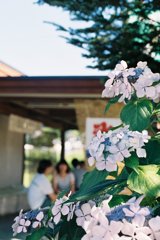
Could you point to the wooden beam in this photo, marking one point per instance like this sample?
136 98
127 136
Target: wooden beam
62 144
9 108
52 85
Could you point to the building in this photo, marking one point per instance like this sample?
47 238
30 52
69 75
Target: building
58 102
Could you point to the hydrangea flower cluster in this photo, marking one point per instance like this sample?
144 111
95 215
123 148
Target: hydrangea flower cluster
106 149
124 82
128 221
134 223
25 221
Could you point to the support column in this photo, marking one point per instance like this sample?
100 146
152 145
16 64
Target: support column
62 144
11 154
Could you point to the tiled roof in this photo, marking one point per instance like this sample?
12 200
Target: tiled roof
6 71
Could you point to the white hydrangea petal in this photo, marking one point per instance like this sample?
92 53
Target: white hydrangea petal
128 213
115 227
119 67
55 210
124 64
86 237
143 236
138 220
157 235
141 152
140 92
134 208
35 224
19 229
144 211
27 223
40 216
105 206
22 221
113 149
154 223
65 210
150 92
86 208
141 64
128 229
98 231
24 229
79 213
57 218
111 167
80 221
100 165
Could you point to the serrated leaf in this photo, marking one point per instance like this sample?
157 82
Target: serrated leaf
145 180
137 114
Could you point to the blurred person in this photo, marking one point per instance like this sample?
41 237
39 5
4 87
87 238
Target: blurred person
40 192
64 179
78 171
75 163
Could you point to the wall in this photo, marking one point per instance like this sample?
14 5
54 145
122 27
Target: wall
11 155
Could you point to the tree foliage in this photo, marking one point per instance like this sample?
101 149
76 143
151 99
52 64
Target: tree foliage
114 30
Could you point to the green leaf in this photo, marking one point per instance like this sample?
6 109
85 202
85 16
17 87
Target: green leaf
62 194
145 180
157 109
107 186
70 230
137 114
118 199
111 102
38 234
153 152
92 178
132 161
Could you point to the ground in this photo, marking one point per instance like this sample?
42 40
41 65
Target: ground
5 227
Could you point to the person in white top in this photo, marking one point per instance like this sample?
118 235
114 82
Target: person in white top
40 192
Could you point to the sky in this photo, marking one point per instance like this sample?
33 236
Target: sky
34 47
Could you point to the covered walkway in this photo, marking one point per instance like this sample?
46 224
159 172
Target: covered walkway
57 102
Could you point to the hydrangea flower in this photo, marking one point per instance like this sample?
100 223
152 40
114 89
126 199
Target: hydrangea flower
23 225
124 82
106 149
17 222
99 223
39 218
99 227
132 232
136 212
72 208
154 224
59 209
83 214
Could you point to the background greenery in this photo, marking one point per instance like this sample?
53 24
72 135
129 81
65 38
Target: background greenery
114 30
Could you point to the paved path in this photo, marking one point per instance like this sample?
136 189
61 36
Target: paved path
5 227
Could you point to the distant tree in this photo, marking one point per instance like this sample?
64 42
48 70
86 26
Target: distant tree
43 138
115 30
